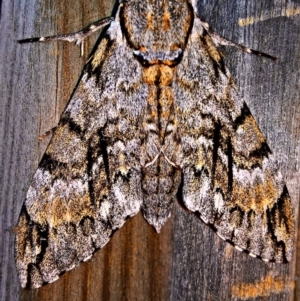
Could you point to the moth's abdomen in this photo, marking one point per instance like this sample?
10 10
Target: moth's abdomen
160 146
158 32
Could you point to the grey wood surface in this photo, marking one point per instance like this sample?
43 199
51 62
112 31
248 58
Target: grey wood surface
187 261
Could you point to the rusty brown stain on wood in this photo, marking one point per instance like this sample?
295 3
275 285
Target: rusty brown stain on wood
262 288
265 15
228 251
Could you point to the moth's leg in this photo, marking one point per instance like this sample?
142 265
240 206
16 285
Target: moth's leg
77 37
46 134
222 41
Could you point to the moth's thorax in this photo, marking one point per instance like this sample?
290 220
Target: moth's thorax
158 74
157 30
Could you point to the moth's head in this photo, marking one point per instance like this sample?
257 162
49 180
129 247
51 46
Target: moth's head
157 29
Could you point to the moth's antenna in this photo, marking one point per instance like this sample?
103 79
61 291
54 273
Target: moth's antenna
222 41
77 37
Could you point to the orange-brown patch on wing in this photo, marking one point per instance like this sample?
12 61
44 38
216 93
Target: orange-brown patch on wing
236 219
58 213
40 210
241 196
21 234
79 206
221 175
212 49
271 193
121 166
101 187
100 54
253 136
66 146
60 209
258 197
201 158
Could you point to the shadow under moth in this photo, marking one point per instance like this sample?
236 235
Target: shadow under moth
155 114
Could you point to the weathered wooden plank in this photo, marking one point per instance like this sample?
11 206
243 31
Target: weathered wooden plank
187 261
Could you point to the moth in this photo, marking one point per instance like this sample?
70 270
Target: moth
156 114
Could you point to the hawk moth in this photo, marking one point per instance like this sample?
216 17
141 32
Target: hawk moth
156 113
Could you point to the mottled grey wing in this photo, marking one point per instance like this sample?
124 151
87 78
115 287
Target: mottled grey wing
230 177
88 181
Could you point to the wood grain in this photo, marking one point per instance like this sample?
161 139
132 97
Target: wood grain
187 261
